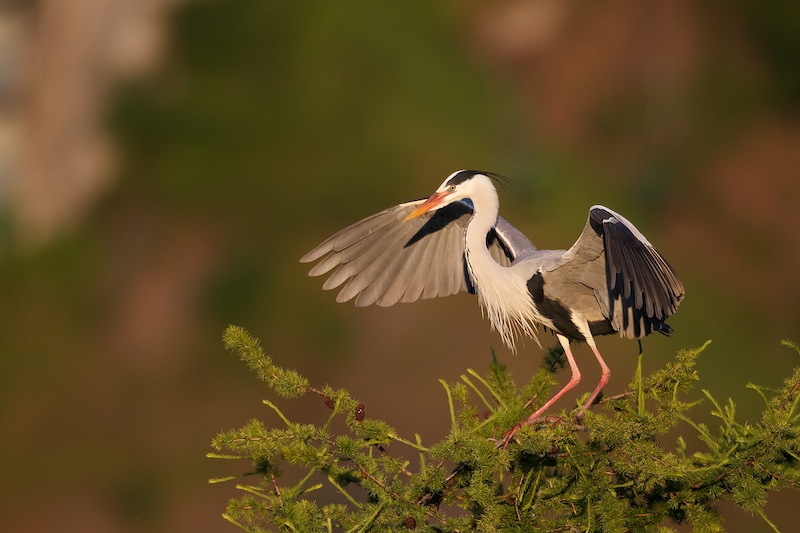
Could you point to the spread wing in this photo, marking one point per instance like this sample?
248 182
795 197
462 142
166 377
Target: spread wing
384 260
639 287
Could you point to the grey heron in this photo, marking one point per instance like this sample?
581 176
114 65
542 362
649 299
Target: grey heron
612 280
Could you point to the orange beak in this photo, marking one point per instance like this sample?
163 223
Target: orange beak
430 204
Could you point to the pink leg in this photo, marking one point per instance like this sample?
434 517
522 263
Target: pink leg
606 374
574 379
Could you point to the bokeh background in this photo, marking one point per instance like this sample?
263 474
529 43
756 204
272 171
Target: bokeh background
164 163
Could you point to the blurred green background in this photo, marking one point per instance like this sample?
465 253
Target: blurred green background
164 163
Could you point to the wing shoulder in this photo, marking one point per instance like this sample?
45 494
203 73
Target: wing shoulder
512 241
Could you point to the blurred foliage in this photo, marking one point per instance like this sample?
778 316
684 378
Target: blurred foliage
270 100
608 472
776 29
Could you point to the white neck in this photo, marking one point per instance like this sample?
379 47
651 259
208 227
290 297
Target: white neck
502 291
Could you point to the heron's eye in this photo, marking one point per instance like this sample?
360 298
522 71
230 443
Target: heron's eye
451 188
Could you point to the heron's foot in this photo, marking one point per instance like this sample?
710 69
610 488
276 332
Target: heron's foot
508 436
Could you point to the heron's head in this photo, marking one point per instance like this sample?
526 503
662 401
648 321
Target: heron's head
473 184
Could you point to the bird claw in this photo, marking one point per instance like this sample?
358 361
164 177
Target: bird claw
509 435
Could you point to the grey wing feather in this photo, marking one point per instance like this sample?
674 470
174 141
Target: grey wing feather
383 259
516 243
638 286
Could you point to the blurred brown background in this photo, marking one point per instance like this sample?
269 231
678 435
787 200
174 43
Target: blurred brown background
164 163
